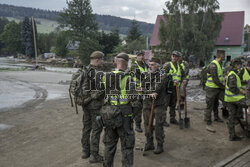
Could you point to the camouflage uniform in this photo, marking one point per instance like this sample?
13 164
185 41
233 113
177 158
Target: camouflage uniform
91 132
185 77
120 125
158 85
235 108
137 105
213 94
171 98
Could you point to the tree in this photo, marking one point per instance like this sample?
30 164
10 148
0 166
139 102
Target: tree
61 43
247 37
109 41
11 37
78 17
134 32
28 37
46 41
191 27
3 22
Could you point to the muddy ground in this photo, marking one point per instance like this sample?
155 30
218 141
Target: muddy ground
46 132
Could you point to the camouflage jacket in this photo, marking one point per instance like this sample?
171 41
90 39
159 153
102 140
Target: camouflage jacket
212 69
167 66
134 68
232 84
248 94
94 77
186 71
154 83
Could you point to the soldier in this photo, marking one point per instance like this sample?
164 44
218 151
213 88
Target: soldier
138 69
214 88
174 69
155 90
117 113
91 132
235 98
244 74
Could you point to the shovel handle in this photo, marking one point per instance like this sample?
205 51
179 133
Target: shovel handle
178 101
185 100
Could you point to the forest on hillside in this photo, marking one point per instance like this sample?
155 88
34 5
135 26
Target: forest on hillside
105 22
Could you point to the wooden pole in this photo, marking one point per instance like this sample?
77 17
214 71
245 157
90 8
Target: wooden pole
34 37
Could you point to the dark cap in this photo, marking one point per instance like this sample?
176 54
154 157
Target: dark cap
175 53
96 55
140 53
123 56
236 61
156 60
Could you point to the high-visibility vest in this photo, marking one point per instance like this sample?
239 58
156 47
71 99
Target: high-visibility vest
230 96
183 67
122 98
245 77
142 70
176 74
210 83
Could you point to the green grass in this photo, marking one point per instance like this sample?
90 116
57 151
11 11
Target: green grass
13 69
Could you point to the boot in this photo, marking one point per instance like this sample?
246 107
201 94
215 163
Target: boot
149 146
138 128
159 149
174 121
96 158
218 119
166 124
235 138
85 154
210 128
225 112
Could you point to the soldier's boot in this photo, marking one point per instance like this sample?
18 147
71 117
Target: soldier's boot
149 145
217 119
95 158
174 121
85 154
138 128
159 149
166 124
210 128
235 138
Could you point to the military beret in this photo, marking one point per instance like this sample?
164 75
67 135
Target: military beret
123 56
175 53
96 55
156 60
140 53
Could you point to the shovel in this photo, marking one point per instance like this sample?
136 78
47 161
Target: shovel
186 119
181 124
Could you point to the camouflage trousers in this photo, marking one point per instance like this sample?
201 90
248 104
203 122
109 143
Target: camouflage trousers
90 132
171 101
160 116
213 95
235 114
110 140
137 112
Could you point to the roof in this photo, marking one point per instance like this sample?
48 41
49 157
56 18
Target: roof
231 29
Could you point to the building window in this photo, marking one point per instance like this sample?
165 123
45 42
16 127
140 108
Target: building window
226 39
228 58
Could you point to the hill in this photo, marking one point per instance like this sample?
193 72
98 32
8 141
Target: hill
106 22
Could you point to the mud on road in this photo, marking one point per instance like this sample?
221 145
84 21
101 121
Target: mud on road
48 133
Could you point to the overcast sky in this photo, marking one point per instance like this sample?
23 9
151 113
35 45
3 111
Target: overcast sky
145 10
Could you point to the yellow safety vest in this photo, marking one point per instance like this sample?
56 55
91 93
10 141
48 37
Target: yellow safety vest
122 98
210 83
176 74
183 67
142 70
245 77
229 96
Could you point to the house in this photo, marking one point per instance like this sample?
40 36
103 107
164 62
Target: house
231 37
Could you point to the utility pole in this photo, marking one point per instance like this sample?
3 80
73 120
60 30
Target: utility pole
34 37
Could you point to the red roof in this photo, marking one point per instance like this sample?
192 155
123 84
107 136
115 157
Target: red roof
231 31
